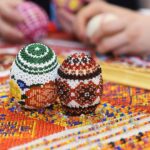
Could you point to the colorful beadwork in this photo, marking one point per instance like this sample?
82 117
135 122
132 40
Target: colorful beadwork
79 84
35 25
16 128
100 135
41 96
108 117
33 76
122 107
15 90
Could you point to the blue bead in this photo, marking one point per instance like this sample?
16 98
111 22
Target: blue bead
3 96
105 105
121 115
2 115
104 119
117 148
21 84
111 115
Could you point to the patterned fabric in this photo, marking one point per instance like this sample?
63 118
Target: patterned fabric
79 83
126 95
73 111
16 129
122 117
110 135
115 111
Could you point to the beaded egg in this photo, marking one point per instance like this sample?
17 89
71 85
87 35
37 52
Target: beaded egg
95 24
35 21
32 77
79 84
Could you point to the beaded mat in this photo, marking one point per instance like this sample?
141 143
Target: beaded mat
118 125
121 121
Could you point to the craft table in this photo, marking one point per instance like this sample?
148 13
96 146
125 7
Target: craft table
123 120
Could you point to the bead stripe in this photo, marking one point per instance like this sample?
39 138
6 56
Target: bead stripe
79 77
42 65
36 70
33 60
34 56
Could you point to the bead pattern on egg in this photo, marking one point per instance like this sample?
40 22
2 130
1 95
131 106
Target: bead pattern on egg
79 84
35 21
33 75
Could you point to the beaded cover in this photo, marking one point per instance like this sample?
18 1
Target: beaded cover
33 76
35 25
79 84
122 118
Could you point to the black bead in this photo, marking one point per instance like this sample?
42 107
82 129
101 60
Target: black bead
123 141
138 138
141 134
112 144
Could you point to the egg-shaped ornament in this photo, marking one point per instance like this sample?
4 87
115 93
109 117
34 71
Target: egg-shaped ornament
32 78
95 24
35 21
79 84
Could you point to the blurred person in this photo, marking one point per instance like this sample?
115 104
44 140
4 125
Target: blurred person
9 18
129 34
67 19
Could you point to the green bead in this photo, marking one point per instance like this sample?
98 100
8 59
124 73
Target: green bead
36 58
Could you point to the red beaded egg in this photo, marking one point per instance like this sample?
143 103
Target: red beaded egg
79 84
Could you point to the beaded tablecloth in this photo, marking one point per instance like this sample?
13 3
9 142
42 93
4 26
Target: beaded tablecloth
121 121
121 125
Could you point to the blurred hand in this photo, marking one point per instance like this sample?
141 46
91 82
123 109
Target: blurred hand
67 18
9 17
129 34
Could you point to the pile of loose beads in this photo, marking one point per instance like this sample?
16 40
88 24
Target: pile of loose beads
139 141
54 114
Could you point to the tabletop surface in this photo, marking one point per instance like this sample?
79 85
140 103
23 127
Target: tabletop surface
121 120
